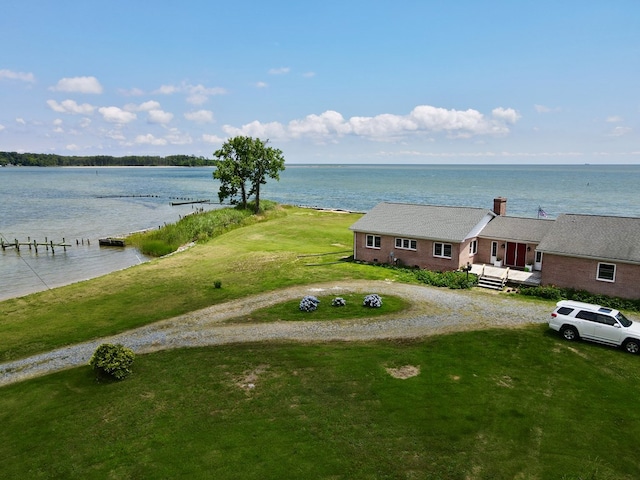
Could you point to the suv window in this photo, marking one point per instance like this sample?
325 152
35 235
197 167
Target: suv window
606 319
583 314
565 310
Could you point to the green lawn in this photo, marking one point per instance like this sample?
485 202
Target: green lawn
498 404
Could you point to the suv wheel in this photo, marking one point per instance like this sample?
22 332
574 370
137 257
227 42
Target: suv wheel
632 346
570 333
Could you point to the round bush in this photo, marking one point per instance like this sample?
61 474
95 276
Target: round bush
372 301
112 360
309 303
338 302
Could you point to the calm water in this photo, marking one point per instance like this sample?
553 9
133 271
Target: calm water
90 203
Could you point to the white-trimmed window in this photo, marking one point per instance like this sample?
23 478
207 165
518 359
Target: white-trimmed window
442 250
406 243
473 247
373 241
606 272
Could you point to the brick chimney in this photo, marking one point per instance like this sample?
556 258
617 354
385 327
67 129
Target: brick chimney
500 206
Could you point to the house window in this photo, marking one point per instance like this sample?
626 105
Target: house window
606 272
406 243
473 247
538 257
494 249
442 250
373 241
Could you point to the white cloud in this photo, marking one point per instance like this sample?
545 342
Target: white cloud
422 120
2 127
196 94
545 109
85 122
149 139
508 115
167 90
279 71
199 94
200 116
22 76
620 131
175 137
262 84
21 121
309 74
143 107
212 139
71 107
73 147
116 115
614 119
132 92
159 116
78 85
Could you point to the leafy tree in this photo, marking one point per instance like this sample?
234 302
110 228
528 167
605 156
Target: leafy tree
243 165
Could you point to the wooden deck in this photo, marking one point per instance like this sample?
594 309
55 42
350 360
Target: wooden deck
512 276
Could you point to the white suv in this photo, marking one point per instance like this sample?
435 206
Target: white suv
576 320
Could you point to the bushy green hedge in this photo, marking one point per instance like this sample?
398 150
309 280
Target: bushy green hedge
453 280
112 360
555 293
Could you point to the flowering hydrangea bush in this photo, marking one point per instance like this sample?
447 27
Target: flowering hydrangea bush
309 303
372 301
338 302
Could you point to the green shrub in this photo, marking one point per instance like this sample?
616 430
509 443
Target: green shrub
550 292
453 280
112 360
217 284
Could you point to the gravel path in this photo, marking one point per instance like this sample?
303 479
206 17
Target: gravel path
434 311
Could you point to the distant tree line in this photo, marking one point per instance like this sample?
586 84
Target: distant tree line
52 160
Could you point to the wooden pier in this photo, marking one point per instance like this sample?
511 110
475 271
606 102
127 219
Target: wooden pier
47 244
187 202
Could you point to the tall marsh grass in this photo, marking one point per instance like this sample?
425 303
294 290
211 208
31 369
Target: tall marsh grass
192 228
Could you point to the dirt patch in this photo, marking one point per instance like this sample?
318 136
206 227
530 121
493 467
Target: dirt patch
250 379
404 372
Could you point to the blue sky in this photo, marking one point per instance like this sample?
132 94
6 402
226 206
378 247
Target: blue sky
326 82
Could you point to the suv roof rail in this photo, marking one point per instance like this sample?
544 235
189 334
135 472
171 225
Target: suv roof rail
587 306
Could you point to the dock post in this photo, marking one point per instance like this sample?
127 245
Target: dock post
52 251
17 245
64 245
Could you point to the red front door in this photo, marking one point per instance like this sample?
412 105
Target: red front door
516 254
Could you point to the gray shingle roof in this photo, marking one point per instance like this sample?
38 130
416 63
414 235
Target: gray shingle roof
517 229
451 224
594 236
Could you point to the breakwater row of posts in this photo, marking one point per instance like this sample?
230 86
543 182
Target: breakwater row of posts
174 200
48 245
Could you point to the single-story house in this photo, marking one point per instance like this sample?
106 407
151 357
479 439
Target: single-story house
600 254
425 236
596 253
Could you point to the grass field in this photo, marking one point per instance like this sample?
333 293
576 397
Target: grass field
497 404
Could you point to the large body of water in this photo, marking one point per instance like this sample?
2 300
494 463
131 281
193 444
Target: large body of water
80 204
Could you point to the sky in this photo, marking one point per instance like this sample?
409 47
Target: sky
349 81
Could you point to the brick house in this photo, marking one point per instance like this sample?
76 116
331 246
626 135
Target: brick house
596 253
600 254
425 236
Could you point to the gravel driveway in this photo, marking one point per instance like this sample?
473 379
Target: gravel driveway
434 311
